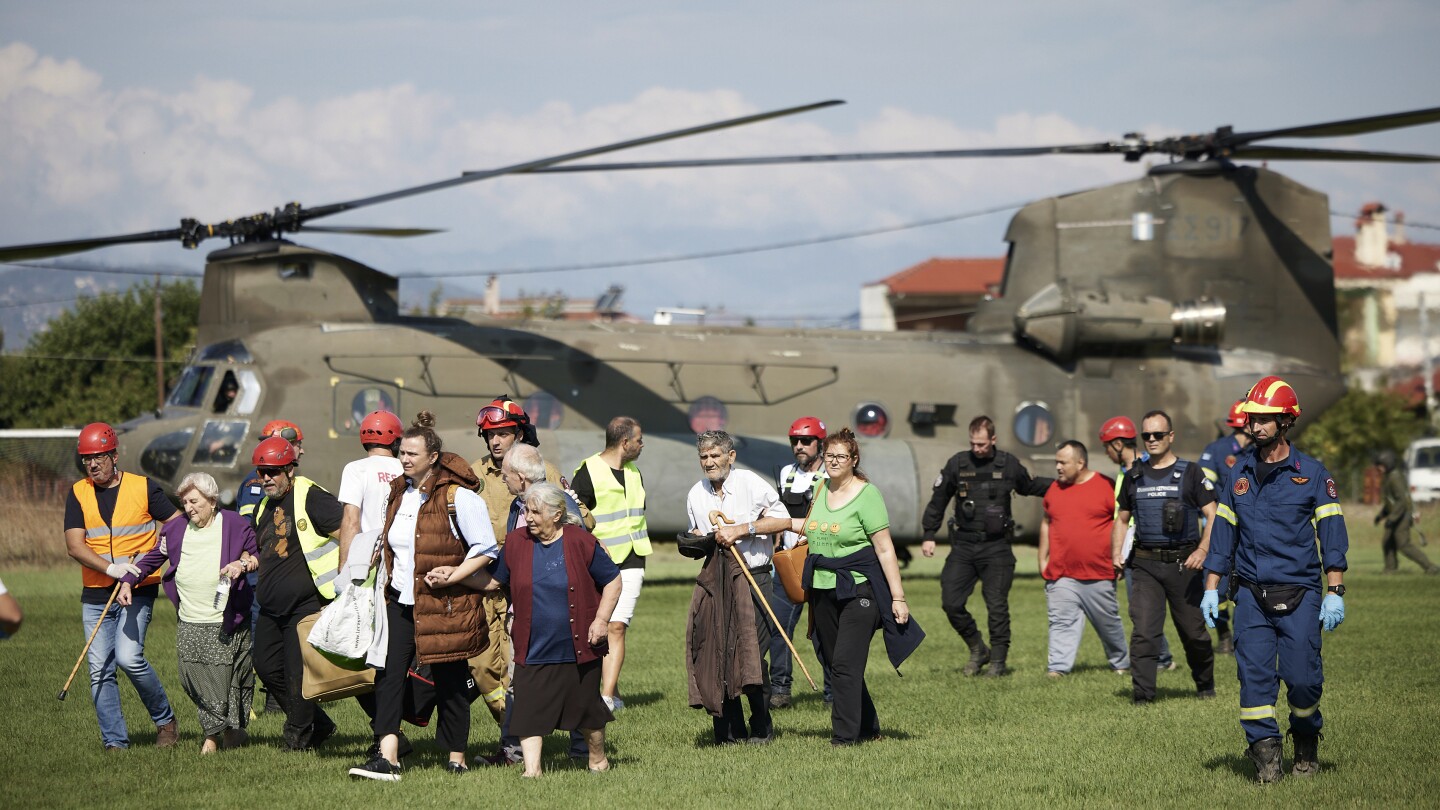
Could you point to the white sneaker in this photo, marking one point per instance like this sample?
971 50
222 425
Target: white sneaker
614 704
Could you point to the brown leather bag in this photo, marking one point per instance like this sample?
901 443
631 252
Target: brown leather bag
790 562
324 679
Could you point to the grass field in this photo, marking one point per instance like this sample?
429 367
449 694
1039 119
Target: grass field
1019 741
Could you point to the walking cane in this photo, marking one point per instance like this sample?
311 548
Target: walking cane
90 641
715 518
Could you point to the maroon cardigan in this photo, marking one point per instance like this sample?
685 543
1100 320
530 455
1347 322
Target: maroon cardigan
580 549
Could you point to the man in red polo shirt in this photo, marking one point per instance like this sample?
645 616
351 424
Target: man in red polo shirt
1076 563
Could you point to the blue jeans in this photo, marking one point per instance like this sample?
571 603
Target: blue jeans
121 644
781 666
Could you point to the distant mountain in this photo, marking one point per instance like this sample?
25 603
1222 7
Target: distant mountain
31 296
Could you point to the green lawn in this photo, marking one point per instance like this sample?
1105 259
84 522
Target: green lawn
1020 741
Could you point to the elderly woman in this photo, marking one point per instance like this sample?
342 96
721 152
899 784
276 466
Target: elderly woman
562 584
430 615
854 585
209 550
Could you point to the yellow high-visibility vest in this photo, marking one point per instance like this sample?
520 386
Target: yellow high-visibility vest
619 511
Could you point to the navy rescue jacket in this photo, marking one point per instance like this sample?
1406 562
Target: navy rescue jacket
1218 457
1266 531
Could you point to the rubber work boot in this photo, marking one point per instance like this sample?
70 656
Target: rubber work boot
1226 643
979 657
1307 754
1266 756
997 668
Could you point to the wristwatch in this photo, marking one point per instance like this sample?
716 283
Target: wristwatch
752 527
1338 590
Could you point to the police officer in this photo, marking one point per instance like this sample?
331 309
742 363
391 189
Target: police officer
1277 501
981 481
1396 513
1216 460
1166 495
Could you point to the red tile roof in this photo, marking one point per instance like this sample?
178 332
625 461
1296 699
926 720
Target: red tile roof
1414 258
948 277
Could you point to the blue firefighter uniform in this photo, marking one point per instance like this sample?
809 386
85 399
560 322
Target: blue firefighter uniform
1267 530
1218 457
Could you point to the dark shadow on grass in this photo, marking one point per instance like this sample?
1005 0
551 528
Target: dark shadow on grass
1235 763
1161 692
826 733
641 699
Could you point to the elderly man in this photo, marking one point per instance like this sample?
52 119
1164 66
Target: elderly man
1075 561
111 520
755 514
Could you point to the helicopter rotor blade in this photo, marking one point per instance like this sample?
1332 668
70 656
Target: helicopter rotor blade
1330 129
531 165
364 230
1019 151
47 250
1331 155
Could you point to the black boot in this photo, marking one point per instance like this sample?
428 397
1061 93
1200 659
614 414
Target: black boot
1307 754
1266 755
979 657
997 668
1225 645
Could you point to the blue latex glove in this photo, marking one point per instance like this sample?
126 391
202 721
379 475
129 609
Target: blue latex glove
1332 611
1210 607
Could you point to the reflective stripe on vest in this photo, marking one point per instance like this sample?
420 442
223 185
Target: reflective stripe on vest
619 511
131 533
1150 501
322 552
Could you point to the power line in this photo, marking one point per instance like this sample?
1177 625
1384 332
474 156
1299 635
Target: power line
81 359
84 268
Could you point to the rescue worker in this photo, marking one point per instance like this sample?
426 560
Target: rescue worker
1397 514
1277 502
796 483
981 481
1118 437
1166 495
1216 460
113 518
296 525
609 485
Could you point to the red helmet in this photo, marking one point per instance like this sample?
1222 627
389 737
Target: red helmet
808 426
1271 395
273 452
1117 427
380 427
96 438
277 427
1236 419
501 413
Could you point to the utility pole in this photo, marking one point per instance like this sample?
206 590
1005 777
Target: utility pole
1427 363
159 350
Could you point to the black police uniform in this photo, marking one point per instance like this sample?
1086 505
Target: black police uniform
980 533
1166 505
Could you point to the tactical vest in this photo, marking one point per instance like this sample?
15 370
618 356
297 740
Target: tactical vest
130 533
982 498
797 503
619 511
1162 506
322 552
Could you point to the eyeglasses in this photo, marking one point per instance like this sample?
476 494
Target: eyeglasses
289 434
836 458
804 439
1154 435
270 472
94 459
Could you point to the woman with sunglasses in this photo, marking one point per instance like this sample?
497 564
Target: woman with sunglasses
853 581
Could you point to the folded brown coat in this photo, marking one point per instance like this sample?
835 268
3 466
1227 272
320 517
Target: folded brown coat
722 656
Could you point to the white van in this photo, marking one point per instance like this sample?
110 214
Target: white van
1422 459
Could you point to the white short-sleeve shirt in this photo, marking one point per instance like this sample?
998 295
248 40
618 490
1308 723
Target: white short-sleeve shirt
366 483
744 497
470 512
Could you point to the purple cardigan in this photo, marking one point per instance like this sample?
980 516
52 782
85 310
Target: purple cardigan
236 535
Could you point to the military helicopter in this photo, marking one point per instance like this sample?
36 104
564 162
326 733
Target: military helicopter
1177 289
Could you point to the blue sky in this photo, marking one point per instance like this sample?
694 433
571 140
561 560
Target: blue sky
125 117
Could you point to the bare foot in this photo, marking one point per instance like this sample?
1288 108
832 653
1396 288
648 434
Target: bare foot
210 746
529 775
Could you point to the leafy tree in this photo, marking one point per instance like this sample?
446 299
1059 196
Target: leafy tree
96 361
1349 434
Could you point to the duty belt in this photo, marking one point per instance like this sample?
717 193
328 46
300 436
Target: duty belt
959 535
1165 554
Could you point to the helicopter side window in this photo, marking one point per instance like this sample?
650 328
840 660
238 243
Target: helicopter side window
708 413
220 443
359 400
190 390
1033 424
544 410
161 458
871 420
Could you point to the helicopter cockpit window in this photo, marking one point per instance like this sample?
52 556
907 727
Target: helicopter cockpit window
249 395
708 413
296 270
220 443
161 458
226 394
1033 424
871 420
364 399
226 351
190 391
544 410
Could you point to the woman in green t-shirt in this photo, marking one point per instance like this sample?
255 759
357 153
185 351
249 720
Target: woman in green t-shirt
849 528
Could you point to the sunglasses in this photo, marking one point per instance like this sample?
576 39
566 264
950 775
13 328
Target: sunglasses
270 472
1154 435
289 434
804 439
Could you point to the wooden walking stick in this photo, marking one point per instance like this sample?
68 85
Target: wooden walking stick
716 517
90 641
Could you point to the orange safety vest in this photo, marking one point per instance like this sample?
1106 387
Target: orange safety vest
130 533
